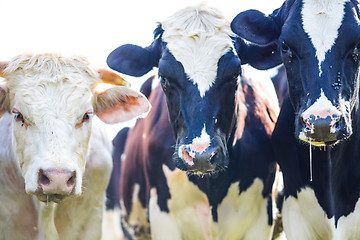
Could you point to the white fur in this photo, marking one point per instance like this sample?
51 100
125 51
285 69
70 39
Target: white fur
321 21
204 138
198 37
198 146
349 226
52 93
321 108
23 217
304 219
112 226
241 216
45 89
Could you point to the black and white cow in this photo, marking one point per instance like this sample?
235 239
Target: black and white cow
319 45
218 125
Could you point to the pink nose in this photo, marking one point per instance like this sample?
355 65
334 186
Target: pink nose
57 181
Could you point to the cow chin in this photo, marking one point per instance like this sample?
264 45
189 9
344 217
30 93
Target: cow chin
57 198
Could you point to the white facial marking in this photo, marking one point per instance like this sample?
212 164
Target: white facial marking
198 146
321 108
321 21
198 37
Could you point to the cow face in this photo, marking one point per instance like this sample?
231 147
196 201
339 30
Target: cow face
321 61
53 100
198 72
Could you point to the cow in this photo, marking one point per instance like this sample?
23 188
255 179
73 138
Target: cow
201 165
280 83
55 156
316 137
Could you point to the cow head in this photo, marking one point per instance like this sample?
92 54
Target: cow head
53 100
319 46
198 72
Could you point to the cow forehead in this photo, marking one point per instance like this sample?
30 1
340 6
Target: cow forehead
321 21
198 37
40 84
40 103
43 69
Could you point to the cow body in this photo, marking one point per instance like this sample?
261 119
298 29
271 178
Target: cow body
55 164
221 128
321 61
233 204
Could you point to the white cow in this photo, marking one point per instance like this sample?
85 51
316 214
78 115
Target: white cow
55 162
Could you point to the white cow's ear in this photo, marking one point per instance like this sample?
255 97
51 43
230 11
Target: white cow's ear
3 97
119 104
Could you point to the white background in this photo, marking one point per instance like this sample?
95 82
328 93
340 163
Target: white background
95 28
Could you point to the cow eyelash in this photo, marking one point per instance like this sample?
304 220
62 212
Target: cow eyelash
355 54
87 116
164 83
18 117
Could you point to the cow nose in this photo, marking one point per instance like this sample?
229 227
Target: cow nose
57 181
322 128
201 162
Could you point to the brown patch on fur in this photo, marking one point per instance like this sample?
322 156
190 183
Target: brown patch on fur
260 106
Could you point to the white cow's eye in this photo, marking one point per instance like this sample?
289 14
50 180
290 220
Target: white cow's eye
87 116
18 117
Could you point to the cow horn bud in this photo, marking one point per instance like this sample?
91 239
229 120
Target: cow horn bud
110 77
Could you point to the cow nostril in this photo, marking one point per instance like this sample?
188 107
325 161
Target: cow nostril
308 125
213 159
43 179
72 180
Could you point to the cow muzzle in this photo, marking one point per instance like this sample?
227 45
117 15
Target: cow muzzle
55 184
322 130
201 160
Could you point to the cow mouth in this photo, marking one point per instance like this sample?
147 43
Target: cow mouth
47 198
319 143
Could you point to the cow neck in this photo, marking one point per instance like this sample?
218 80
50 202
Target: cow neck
342 162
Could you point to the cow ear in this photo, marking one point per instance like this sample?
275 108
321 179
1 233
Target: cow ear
255 27
261 33
3 89
133 60
119 104
261 57
4 106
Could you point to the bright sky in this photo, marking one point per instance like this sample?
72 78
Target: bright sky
94 28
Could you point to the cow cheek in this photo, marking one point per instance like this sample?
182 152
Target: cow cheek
22 144
82 136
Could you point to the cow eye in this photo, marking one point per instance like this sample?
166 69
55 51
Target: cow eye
18 117
164 83
355 54
87 116
284 47
286 51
